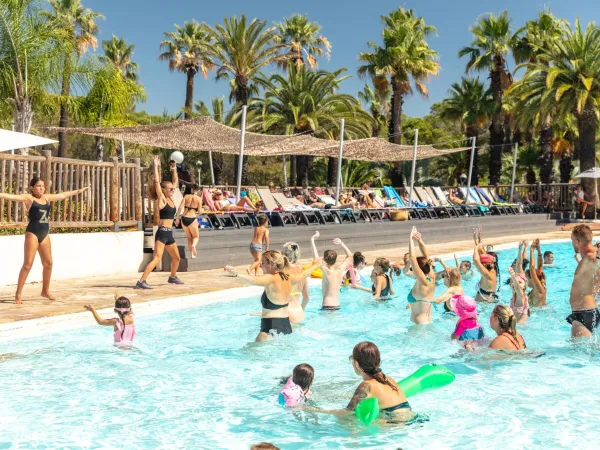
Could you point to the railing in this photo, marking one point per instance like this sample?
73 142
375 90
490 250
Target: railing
114 198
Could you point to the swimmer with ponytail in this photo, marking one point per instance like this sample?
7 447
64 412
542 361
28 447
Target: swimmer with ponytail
504 322
123 326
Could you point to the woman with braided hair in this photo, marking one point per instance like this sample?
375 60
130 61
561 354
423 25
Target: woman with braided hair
504 322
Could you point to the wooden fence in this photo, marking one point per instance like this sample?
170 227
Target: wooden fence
113 200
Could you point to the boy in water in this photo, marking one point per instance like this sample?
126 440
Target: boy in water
332 273
585 317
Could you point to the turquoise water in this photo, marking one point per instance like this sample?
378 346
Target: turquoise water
195 381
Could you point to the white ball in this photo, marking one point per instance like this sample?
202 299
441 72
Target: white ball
177 157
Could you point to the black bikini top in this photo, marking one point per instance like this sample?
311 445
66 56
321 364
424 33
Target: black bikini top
268 304
168 212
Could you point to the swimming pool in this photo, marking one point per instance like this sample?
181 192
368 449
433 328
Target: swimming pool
196 381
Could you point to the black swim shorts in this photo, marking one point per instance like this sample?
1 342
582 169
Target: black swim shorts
590 318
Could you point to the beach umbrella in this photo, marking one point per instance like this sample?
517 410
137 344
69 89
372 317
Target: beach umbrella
11 140
594 173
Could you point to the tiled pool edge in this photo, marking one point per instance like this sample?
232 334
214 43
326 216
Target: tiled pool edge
39 326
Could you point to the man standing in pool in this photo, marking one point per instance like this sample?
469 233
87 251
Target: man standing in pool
332 273
585 317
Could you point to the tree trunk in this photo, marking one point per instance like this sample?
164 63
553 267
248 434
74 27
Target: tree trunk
63 150
302 170
99 149
332 164
566 167
587 123
497 125
218 167
472 132
530 176
546 154
189 94
396 135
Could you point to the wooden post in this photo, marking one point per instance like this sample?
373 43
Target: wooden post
138 193
114 192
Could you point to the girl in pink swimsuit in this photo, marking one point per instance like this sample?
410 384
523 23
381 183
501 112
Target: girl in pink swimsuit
519 302
124 325
297 387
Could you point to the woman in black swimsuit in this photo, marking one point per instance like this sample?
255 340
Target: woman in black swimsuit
162 194
277 282
36 234
191 205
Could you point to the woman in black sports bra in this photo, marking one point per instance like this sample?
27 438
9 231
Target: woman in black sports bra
36 234
277 282
162 194
191 205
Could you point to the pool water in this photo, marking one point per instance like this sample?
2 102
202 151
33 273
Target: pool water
197 381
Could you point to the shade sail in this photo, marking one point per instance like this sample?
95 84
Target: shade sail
11 140
205 134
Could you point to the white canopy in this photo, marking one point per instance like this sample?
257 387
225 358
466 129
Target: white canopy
594 172
11 140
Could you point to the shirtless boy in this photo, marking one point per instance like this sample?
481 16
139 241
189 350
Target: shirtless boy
332 273
585 317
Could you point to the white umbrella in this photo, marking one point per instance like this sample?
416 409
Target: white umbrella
11 140
594 173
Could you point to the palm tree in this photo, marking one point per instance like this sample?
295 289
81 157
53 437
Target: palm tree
242 49
405 56
538 35
28 61
471 104
488 51
378 102
301 37
572 84
307 102
79 25
219 115
119 53
188 50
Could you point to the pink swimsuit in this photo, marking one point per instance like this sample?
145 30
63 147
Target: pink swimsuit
292 394
128 334
523 310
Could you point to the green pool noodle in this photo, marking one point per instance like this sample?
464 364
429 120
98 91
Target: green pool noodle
367 410
426 378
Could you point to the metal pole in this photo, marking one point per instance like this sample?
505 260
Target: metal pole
338 182
414 164
473 139
512 183
123 152
241 157
199 176
212 171
285 180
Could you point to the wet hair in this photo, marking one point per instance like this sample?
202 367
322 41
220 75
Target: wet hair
330 257
262 220
122 302
34 181
291 251
453 276
368 358
582 233
424 263
264 446
384 263
506 319
303 376
466 263
358 258
280 262
548 253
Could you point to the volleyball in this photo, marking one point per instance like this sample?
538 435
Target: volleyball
177 157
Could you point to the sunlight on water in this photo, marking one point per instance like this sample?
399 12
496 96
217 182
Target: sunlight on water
196 380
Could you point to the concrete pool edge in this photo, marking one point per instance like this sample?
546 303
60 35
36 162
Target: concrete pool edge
39 326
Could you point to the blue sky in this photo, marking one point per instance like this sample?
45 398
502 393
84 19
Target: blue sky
348 24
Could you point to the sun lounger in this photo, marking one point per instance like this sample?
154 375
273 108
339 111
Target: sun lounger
466 209
497 199
473 199
487 200
451 210
440 210
277 217
303 216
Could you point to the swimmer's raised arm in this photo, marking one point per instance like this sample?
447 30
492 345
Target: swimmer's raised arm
535 279
174 176
456 262
519 294
422 246
477 261
414 235
349 257
540 258
313 245
99 320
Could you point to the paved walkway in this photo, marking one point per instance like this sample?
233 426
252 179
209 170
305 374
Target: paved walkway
99 291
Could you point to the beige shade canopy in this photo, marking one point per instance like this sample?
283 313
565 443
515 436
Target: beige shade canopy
205 134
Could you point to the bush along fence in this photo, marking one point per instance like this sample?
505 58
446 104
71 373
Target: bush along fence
114 199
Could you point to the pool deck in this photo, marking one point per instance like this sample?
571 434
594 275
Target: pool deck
99 291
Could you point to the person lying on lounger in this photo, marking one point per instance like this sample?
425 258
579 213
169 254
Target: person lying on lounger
223 205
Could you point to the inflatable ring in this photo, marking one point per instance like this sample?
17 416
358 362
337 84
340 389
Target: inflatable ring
317 273
424 379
